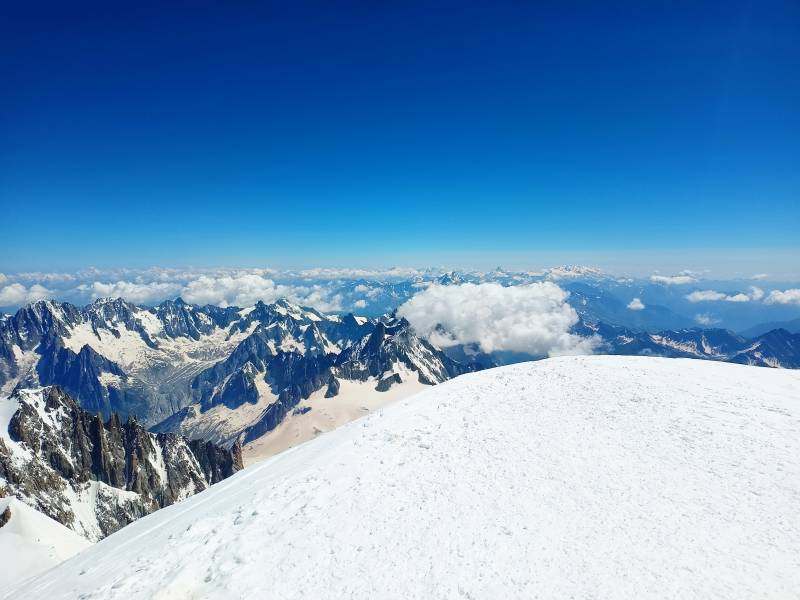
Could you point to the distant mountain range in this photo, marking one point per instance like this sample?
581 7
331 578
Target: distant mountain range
792 326
777 348
216 373
232 374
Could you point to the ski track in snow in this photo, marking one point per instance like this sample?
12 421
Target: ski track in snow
581 477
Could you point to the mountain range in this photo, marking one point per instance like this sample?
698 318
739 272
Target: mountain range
227 374
221 374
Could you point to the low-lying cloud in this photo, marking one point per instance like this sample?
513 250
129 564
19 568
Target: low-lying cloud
223 287
673 279
784 297
391 273
533 318
132 291
15 294
245 289
636 304
754 295
705 319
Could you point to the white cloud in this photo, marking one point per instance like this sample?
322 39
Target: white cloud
636 304
759 276
317 296
370 292
242 290
673 279
705 296
15 294
714 296
705 319
784 297
38 276
138 293
532 318
738 298
360 303
3 278
246 288
393 272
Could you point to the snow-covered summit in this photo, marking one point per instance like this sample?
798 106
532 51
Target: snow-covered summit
574 272
612 477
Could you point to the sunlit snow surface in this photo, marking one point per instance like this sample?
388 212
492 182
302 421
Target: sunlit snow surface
606 477
31 543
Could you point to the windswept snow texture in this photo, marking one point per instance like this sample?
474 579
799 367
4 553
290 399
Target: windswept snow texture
574 477
31 542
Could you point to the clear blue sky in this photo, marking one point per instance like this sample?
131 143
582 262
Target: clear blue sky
396 133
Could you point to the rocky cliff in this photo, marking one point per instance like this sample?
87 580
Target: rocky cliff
97 476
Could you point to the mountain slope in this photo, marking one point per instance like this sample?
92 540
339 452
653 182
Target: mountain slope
604 476
31 542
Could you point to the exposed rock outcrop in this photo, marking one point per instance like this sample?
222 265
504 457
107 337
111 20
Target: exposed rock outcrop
94 476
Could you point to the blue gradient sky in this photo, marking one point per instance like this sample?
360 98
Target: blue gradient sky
656 136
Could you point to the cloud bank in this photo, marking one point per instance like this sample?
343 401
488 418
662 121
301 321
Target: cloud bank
16 293
784 297
673 279
714 296
533 318
138 293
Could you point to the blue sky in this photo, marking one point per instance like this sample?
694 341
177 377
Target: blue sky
659 136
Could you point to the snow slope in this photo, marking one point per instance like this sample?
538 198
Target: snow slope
355 399
32 542
601 476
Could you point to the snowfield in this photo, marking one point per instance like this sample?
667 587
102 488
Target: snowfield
32 542
574 477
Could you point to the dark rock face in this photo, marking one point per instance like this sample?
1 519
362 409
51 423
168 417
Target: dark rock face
64 461
80 375
393 342
216 462
387 382
333 387
185 320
